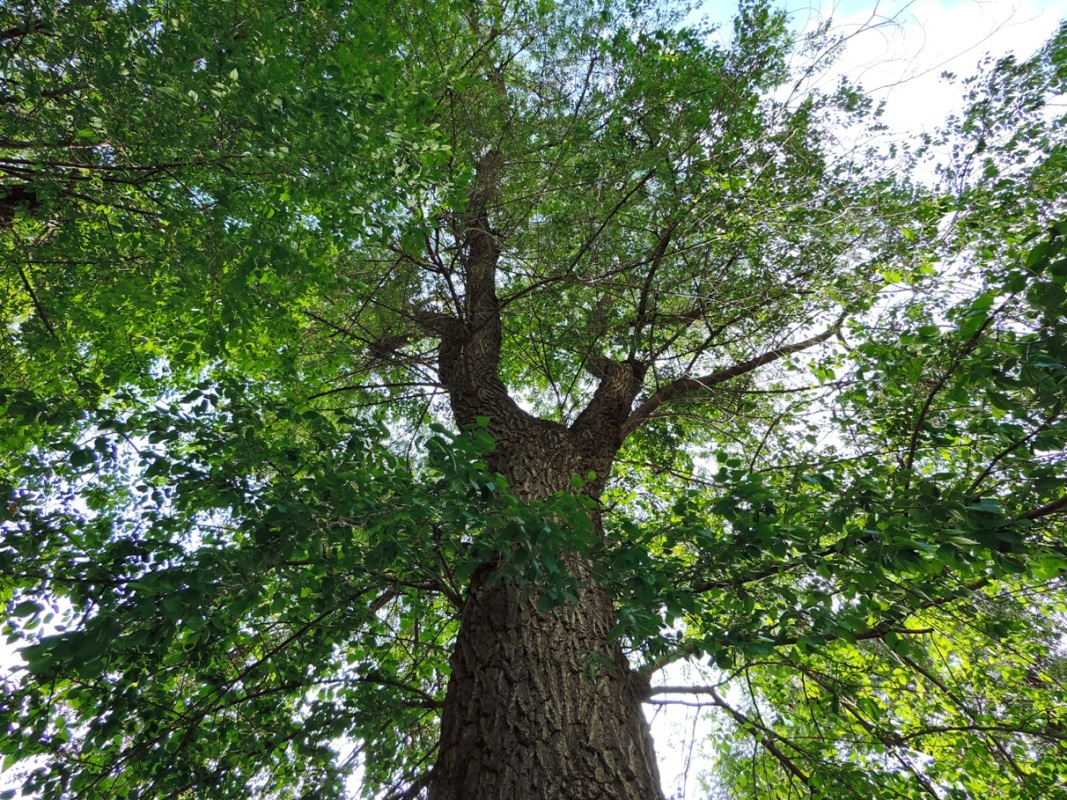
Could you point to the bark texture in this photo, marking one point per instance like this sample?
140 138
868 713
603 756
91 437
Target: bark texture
544 705
541 706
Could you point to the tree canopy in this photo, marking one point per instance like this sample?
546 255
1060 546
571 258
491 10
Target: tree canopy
392 391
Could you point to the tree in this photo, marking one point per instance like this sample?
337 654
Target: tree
399 389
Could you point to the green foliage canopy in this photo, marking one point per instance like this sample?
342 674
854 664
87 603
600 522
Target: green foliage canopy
237 530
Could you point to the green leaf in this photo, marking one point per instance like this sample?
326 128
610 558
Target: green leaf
25 609
81 457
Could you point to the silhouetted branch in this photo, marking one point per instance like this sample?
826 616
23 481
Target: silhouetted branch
684 386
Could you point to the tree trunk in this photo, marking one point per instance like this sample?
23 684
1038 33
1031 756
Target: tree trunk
541 706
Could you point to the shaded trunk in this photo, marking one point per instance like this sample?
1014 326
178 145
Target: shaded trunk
541 705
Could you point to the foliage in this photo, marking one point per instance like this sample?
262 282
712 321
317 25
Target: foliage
239 519
192 168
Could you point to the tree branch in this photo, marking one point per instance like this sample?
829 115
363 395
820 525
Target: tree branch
646 288
684 386
412 791
1048 508
681 690
892 742
958 700
469 359
607 411
591 239
36 302
763 735
970 344
32 25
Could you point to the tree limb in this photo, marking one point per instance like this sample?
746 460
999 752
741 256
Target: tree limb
684 386
1048 508
36 302
646 288
681 690
764 735
970 344
412 791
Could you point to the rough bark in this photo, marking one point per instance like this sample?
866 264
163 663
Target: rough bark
544 705
541 706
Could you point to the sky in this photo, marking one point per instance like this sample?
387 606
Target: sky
901 61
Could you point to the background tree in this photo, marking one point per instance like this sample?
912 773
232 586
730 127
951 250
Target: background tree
626 293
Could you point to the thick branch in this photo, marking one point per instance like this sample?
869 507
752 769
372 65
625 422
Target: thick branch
684 386
607 411
1048 508
682 690
469 359
480 257
439 325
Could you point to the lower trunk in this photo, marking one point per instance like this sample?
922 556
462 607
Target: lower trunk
541 706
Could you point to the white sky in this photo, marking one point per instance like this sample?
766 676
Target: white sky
902 62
